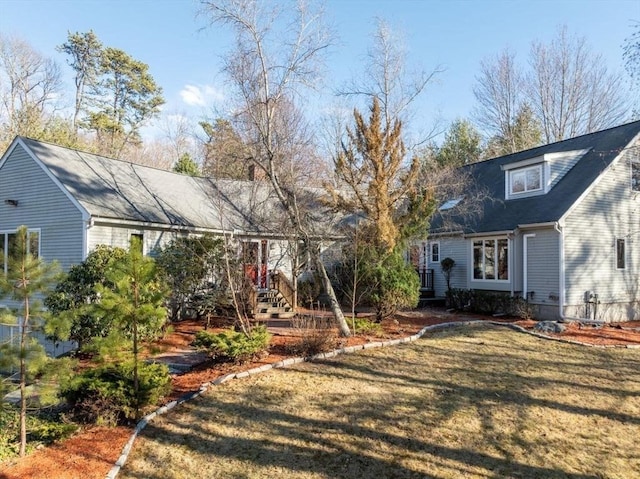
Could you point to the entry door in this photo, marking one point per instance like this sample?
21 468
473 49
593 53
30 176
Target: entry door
255 260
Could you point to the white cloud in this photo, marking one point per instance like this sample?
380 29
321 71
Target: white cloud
200 95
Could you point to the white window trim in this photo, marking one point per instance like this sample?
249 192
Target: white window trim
431 245
509 181
625 258
4 233
633 164
472 262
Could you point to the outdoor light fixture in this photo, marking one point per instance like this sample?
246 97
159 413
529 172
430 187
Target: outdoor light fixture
11 202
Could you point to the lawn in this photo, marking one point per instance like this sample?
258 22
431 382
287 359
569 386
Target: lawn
476 402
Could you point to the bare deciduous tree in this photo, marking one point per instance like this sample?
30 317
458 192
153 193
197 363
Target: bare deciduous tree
29 83
631 57
499 93
387 78
571 90
268 67
568 88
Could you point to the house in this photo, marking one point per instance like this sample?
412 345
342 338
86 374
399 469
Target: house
560 227
71 201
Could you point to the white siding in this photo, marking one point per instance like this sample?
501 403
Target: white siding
611 210
120 236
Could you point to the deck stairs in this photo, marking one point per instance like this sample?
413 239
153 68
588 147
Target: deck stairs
271 304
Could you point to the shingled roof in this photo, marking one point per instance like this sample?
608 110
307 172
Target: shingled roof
118 190
599 149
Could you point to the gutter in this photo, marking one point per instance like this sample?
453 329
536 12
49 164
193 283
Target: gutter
539 225
198 229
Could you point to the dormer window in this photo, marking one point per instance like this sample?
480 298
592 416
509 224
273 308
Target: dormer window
525 180
539 174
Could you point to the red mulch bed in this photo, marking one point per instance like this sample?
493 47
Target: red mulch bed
92 452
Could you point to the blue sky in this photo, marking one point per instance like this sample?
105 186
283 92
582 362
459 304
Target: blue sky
454 35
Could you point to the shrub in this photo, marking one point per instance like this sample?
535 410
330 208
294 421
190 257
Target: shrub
233 345
43 428
489 302
365 326
106 395
315 336
309 291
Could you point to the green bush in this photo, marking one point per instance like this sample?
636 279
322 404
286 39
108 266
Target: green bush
232 345
106 395
365 326
42 428
489 302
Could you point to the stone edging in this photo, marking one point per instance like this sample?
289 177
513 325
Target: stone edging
126 450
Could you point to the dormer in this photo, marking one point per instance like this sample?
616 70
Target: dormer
536 176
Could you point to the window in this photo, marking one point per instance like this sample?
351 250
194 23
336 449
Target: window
435 252
635 176
449 204
525 180
620 254
9 244
491 259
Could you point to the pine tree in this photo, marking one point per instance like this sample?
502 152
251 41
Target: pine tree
379 182
27 278
134 303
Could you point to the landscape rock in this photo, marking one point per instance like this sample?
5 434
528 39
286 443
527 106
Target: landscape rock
549 327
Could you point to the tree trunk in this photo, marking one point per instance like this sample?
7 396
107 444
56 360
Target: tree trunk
328 287
23 378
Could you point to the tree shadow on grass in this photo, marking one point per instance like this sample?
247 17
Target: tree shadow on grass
320 455
348 434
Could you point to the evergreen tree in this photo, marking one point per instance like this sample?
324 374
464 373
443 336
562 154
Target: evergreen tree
524 133
462 145
135 302
379 184
384 189
71 302
85 51
186 166
225 154
125 97
27 278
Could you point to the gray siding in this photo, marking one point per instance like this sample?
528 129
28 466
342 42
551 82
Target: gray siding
41 205
11 334
543 271
456 249
560 165
611 210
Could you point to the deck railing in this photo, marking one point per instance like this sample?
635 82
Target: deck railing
280 282
426 278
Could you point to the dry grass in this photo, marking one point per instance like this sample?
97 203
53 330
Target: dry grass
483 402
